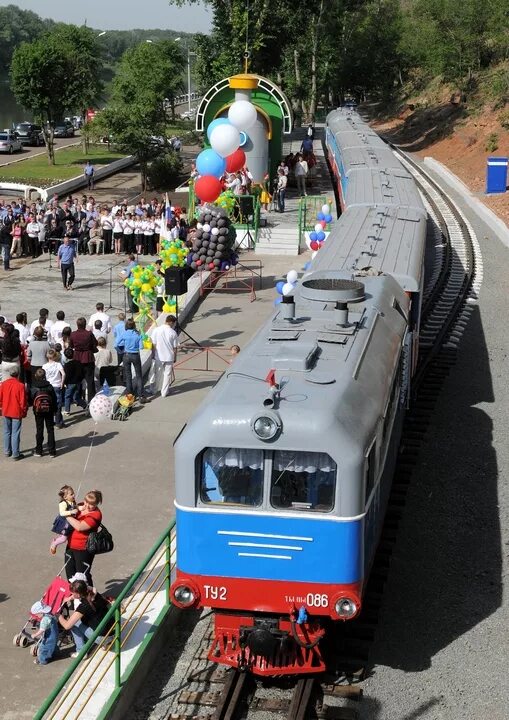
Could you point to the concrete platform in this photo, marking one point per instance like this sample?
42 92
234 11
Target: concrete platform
131 462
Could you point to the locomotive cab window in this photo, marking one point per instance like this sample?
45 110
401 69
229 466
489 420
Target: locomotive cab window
232 476
304 481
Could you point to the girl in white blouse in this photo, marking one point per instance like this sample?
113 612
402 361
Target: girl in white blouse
118 232
138 234
128 227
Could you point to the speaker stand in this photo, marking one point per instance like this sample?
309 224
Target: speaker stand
181 331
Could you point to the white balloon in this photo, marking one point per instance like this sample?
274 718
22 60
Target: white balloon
225 139
199 226
318 227
100 408
288 289
215 231
242 114
206 227
292 276
325 209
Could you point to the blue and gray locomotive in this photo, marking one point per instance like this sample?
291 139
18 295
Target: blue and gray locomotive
284 472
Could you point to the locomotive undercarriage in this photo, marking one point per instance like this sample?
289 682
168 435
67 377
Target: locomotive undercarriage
267 646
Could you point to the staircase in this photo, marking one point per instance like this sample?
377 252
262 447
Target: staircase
274 240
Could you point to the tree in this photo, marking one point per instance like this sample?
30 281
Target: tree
17 26
54 74
148 76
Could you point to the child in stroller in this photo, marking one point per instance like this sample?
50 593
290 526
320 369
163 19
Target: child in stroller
42 618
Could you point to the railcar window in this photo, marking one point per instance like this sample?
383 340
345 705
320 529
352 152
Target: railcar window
232 476
303 481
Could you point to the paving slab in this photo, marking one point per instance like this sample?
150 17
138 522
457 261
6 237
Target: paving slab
131 462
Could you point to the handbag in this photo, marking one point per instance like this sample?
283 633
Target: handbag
100 541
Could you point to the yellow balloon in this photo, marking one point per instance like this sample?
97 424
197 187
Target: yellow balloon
153 281
173 309
146 287
166 308
147 344
137 282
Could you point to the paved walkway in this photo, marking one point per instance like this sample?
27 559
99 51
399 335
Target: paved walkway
131 462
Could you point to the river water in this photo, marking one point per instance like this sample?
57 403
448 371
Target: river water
10 111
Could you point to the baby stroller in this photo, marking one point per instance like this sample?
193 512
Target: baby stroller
54 596
124 407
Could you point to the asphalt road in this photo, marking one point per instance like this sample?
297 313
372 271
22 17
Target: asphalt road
27 152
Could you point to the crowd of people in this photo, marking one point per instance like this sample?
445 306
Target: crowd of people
28 230
51 367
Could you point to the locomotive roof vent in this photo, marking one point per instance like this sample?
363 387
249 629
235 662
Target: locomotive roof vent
329 287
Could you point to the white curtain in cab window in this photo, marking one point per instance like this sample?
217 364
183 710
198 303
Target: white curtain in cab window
308 462
234 457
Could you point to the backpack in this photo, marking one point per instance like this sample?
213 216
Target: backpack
42 403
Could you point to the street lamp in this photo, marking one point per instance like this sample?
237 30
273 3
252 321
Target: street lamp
189 55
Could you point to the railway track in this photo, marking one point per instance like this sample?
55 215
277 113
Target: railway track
218 693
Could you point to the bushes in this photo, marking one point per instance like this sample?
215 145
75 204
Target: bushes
164 172
492 142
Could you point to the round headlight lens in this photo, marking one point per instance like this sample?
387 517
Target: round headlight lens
265 427
346 608
184 595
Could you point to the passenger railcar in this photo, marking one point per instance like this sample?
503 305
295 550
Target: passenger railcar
283 474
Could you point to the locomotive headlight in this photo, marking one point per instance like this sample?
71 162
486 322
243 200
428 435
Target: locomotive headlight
184 595
345 608
266 426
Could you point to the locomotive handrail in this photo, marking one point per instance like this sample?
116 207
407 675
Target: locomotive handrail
147 591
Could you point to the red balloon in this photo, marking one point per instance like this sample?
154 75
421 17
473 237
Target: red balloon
323 224
211 265
198 262
236 160
208 188
314 245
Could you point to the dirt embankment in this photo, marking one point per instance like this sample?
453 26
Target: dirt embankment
461 142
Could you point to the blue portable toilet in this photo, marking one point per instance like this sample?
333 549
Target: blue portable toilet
496 175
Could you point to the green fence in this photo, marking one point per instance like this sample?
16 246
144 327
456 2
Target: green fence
309 207
71 697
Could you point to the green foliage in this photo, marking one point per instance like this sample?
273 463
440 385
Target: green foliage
17 26
492 142
56 73
164 172
148 75
503 119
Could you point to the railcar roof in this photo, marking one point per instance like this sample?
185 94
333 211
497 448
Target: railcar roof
384 239
382 187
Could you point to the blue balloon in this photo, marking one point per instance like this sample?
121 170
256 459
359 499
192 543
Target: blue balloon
313 236
328 218
215 123
278 300
279 286
209 162
320 216
320 236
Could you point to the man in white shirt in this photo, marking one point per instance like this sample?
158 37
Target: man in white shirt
43 312
21 326
301 171
164 342
102 316
55 332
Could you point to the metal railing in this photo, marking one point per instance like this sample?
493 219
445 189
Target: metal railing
112 662
308 209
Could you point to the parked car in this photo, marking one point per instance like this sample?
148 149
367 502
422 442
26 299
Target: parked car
64 129
9 142
30 134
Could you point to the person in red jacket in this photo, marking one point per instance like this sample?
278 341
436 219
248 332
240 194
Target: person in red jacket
14 405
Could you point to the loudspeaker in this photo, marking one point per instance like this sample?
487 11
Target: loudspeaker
175 280
246 206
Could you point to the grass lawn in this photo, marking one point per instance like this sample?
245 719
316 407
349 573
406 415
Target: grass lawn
69 163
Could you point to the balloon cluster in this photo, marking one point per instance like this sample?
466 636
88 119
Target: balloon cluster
286 289
143 281
225 153
213 245
319 234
